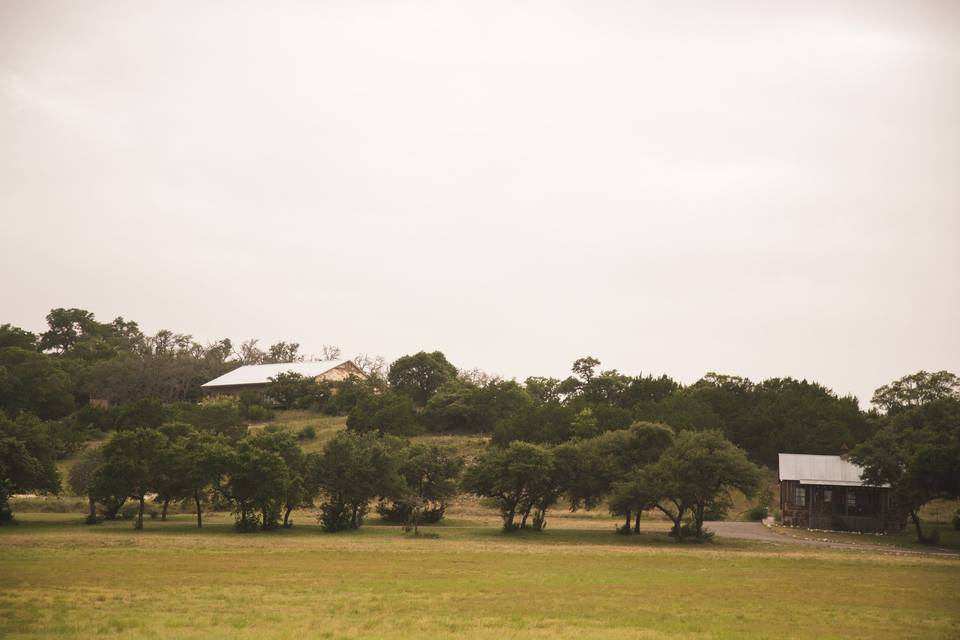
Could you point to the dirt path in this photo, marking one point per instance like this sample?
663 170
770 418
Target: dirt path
762 533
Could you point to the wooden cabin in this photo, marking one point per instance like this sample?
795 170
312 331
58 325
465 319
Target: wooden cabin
256 377
827 492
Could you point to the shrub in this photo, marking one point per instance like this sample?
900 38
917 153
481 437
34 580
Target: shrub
956 521
718 509
335 517
309 432
689 531
757 513
400 513
250 524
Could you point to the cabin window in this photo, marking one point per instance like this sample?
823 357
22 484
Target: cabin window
851 499
800 496
827 495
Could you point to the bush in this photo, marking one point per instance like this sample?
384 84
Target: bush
309 432
956 521
335 517
251 524
757 513
689 531
400 513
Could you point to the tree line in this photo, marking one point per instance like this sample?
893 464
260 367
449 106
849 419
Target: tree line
47 381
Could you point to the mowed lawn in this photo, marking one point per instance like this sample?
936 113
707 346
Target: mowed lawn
63 579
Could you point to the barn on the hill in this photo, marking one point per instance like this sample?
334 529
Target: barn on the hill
257 376
827 492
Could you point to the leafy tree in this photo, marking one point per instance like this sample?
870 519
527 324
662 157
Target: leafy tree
27 463
11 336
132 460
917 453
389 412
429 475
293 390
284 352
258 481
67 327
82 477
462 406
353 469
34 382
594 467
521 478
584 368
217 415
420 375
204 458
695 473
548 423
286 446
916 389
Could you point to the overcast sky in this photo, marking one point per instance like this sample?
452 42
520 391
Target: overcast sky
758 188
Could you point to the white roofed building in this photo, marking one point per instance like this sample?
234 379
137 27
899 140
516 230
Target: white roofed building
828 492
257 376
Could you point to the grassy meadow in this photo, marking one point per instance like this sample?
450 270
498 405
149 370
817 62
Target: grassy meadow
465 579
59 578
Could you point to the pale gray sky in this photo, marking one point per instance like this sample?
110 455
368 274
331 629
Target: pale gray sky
756 188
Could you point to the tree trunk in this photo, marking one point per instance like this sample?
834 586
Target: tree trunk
196 498
139 523
93 510
523 520
508 519
286 515
626 525
163 512
698 519
636 525
915 517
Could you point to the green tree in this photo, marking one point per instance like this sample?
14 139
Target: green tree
34 382
917 452
82 477
430 474
27 463
593 467
696 473
11 336
353 469
521 479
285 444
420 375
258 480
132 460
388 412
916 389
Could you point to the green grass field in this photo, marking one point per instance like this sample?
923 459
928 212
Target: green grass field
59 578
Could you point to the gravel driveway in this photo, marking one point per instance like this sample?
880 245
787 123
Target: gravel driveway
760 532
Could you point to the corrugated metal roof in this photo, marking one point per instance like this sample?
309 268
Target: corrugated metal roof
261 373
811 469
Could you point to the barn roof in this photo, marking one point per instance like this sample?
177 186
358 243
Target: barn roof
261 373
811 469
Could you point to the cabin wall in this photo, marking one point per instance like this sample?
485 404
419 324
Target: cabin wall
839 508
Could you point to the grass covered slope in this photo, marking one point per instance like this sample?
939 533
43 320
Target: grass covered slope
62 579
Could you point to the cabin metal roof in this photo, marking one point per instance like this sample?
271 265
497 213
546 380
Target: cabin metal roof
261 373
826 470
